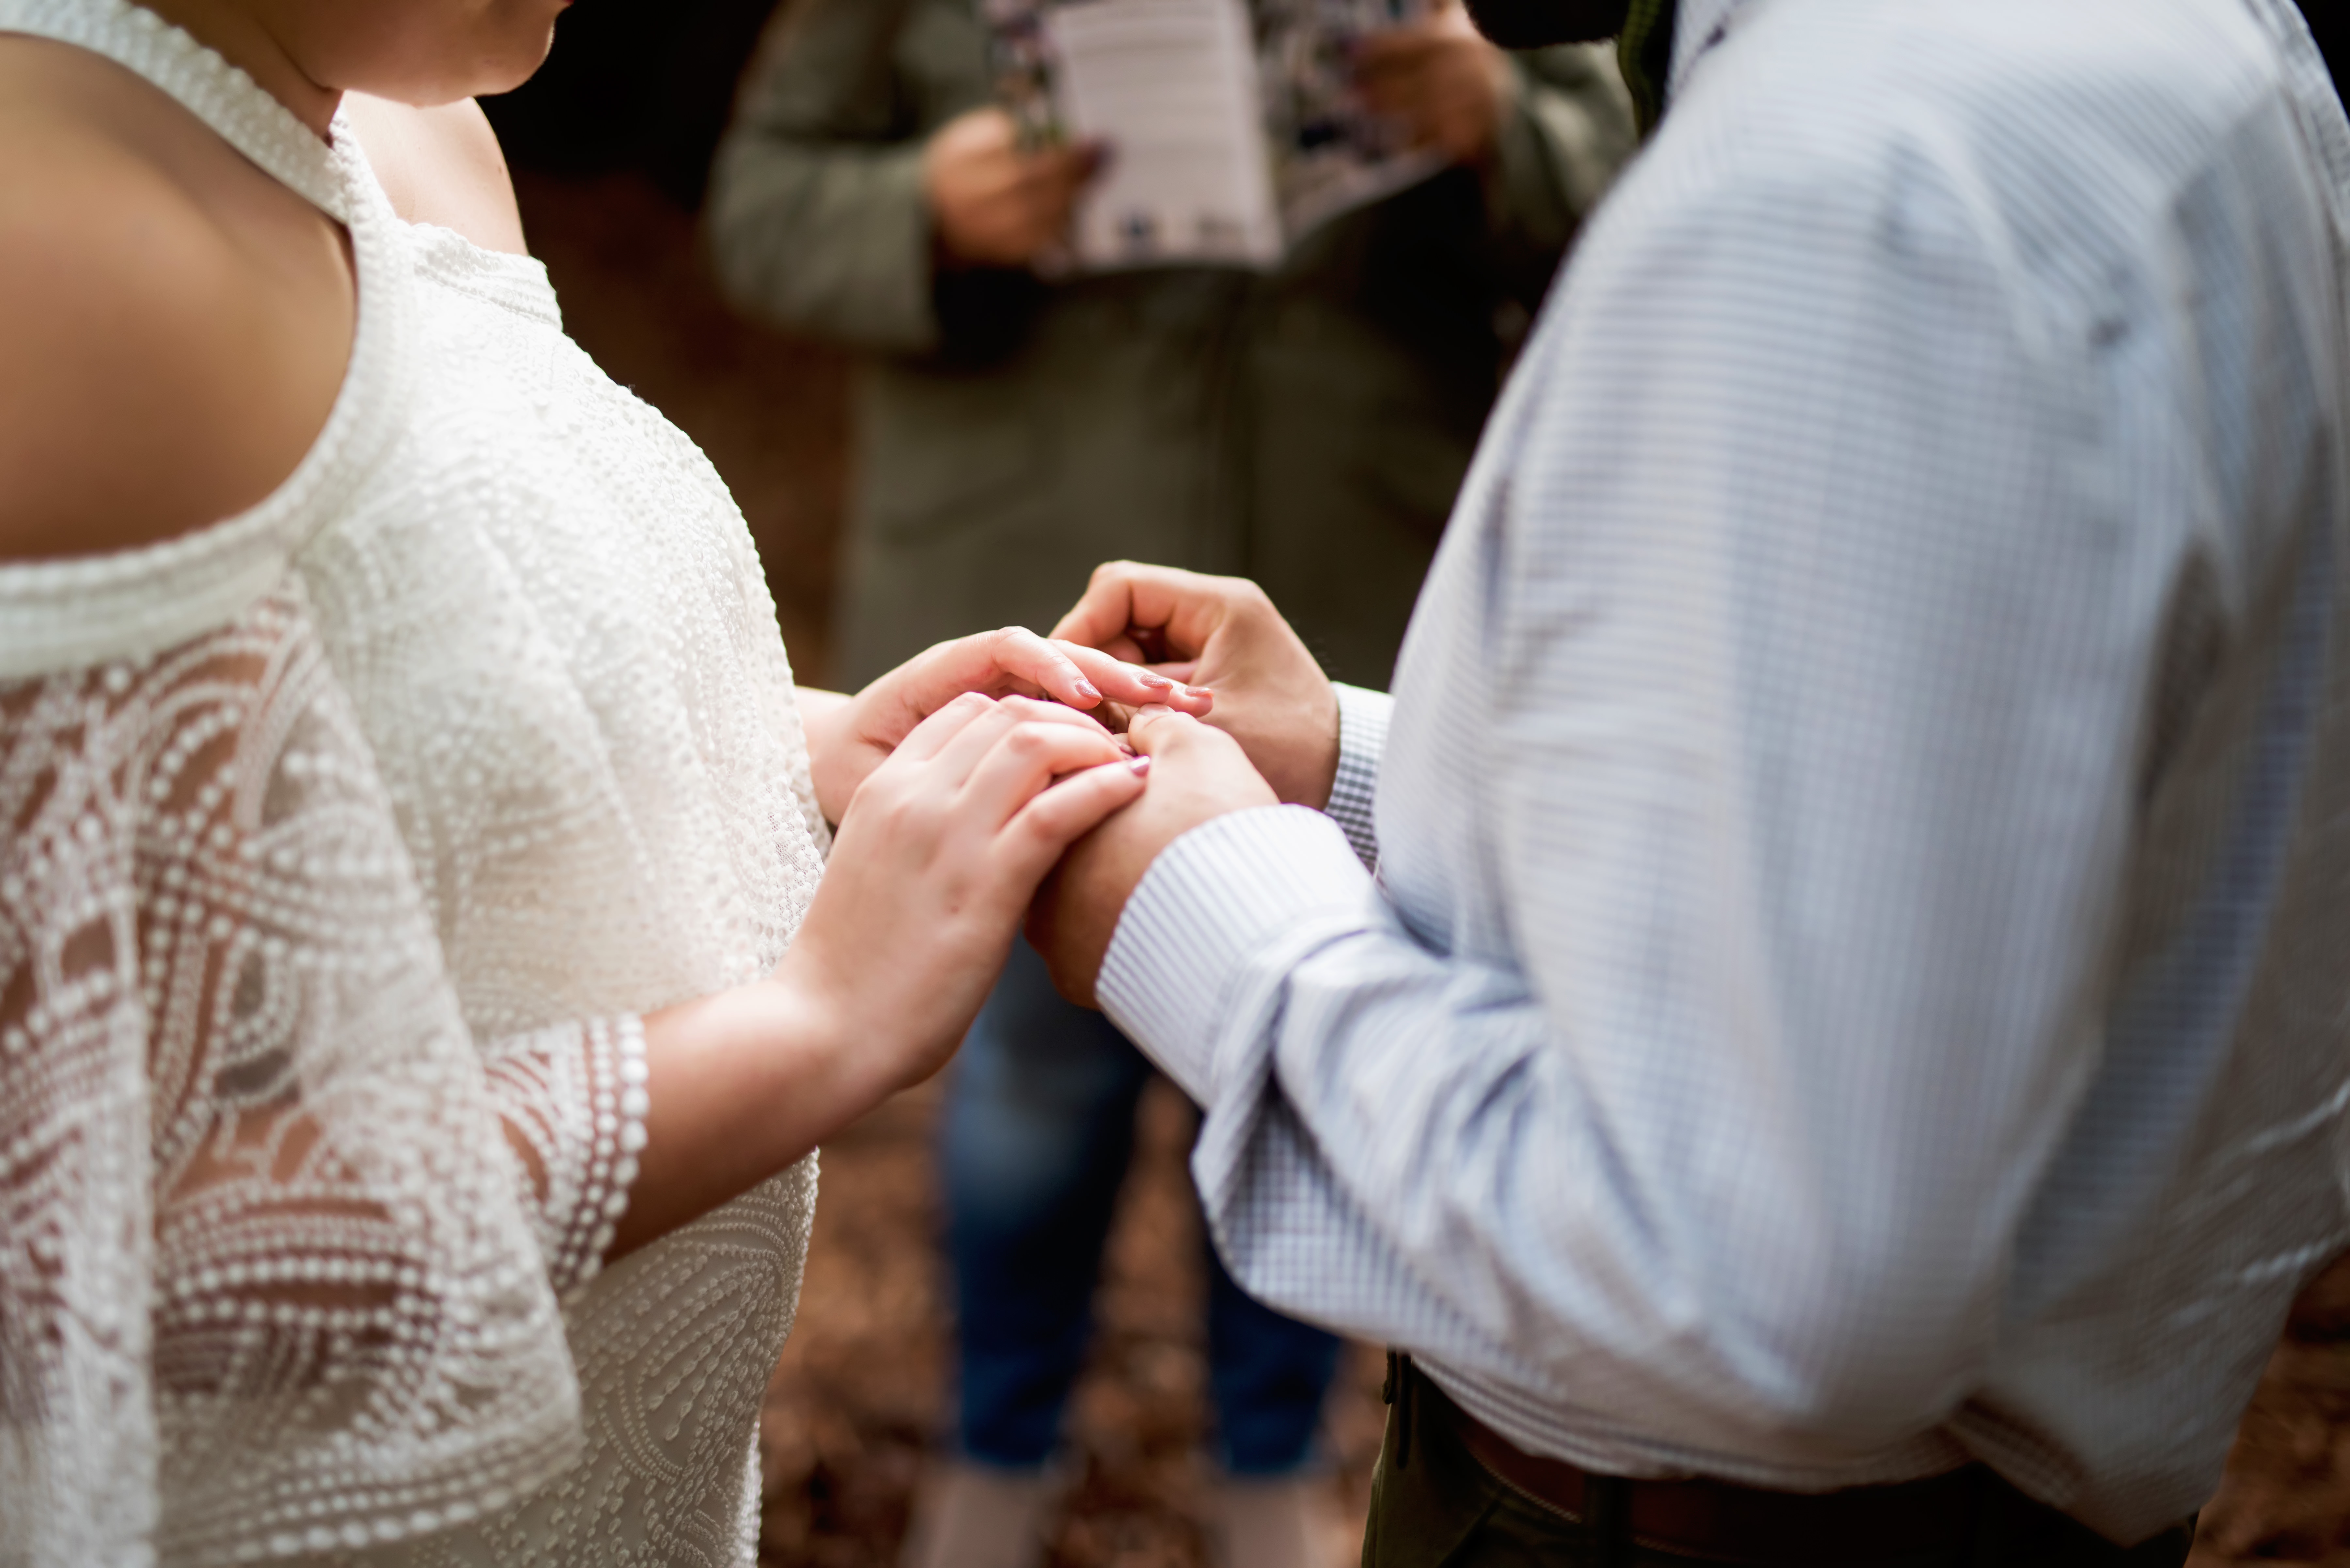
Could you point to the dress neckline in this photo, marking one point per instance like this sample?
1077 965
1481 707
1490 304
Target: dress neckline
504 278
223 97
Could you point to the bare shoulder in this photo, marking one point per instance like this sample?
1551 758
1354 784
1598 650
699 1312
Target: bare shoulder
175 325
441 166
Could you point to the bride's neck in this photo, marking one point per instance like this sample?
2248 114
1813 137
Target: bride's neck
241 35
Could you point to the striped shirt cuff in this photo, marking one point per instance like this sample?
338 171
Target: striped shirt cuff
1228 892
1362 741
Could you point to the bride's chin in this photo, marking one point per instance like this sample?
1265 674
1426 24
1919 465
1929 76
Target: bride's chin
520 34
441 51
527 61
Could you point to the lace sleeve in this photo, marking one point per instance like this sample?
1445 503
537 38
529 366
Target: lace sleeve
573 1102
269 1282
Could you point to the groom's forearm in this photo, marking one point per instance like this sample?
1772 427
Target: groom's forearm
1214 903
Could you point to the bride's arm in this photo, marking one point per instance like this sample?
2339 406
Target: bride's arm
929 877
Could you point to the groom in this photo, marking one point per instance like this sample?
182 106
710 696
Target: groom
1814 1016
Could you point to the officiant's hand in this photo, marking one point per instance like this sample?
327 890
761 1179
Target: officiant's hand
995 202
1441 78
850 737
1222 635
1197 774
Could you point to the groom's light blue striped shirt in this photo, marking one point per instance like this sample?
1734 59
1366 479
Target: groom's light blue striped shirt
1857 970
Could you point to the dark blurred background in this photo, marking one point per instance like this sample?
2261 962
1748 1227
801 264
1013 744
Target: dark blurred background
635 86
611 146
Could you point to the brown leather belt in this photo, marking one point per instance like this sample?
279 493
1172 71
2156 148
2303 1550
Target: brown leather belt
1970 1508
1703 1518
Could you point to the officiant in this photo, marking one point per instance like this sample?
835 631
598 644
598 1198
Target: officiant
1307 426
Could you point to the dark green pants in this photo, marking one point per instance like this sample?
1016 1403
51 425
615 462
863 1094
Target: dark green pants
1442 1509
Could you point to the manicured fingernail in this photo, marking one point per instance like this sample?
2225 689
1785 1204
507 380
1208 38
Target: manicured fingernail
1153 709
1152 680
1087 690
1138 767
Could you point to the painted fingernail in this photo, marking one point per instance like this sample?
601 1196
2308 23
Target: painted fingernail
1087 690
1138 767
1152 680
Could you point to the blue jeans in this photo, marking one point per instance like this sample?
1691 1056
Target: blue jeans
1039 1129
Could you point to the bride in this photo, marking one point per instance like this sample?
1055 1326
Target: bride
426 970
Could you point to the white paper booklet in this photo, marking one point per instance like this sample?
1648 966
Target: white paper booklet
1233 129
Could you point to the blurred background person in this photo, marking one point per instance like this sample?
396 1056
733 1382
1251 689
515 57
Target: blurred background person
1307 426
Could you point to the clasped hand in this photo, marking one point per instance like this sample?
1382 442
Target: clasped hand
958 782
850 738
1272 737
988 729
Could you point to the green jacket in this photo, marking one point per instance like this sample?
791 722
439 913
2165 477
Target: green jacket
1306 428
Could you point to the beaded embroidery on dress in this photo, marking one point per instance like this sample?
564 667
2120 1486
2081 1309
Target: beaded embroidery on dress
533 615
587 688
266 1282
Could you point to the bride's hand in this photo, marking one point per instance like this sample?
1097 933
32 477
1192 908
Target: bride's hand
849 738
939 854
937 859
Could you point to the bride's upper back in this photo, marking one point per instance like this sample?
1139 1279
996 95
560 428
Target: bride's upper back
176 321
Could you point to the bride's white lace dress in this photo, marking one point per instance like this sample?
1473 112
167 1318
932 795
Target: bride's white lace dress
347 842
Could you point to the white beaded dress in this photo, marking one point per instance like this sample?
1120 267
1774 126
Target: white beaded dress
347 841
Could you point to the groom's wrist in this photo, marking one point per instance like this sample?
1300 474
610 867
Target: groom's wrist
1220 903
1363 716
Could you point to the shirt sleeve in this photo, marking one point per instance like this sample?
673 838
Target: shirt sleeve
1354 791
1795 657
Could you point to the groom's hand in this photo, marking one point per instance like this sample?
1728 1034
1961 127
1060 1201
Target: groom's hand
1222 634
1196 775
